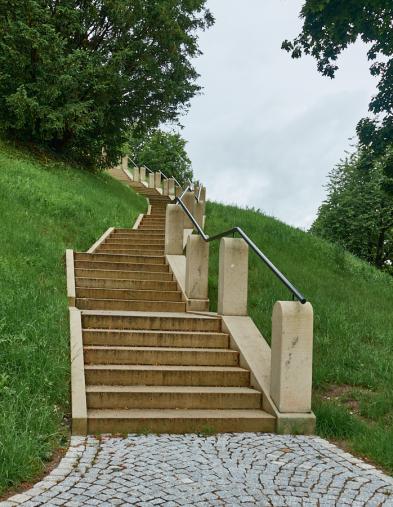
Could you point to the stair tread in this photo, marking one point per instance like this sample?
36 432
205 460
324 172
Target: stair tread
161 349
93 388
178 413
154 331
163 315
150 367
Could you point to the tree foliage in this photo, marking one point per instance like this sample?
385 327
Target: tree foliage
162 151
75 75
358 210
330 26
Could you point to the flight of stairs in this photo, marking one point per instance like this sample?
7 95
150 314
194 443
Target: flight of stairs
150 365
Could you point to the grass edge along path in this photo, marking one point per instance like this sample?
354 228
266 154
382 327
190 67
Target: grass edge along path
353 321
46 206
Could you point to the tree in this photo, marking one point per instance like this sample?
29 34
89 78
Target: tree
162 151
358 211
330 26
76 75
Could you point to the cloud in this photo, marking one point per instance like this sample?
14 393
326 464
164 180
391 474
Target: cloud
267 129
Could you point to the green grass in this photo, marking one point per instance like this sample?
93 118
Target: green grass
353 339
45 207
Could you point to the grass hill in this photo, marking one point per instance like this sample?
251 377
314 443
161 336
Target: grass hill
353 338
45 207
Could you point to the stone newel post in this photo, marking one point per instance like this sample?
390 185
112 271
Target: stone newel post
136 174
291 359
174 230
197 268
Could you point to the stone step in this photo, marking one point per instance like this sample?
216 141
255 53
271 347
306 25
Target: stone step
123 274
148 375
130 305
172 397
122 266
133 294
140 320
110 283
130 250
155 338
170 356
113 241
118 257
136 233
178 421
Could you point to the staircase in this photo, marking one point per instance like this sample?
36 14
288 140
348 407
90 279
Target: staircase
148 364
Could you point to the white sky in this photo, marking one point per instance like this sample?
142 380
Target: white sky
267 129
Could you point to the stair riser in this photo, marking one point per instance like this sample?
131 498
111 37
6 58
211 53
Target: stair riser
132 259
141 250
129 306
109 283
173 400
161 357
167 378
156 243
141 339
180 425
150 323
142 235
123 275
145 295
119 266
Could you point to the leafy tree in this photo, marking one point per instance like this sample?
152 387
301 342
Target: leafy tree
75 75
162 151
330 26
358 211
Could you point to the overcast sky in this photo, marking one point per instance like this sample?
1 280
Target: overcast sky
267 129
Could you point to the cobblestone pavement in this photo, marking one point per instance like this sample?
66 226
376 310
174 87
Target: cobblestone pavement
242 469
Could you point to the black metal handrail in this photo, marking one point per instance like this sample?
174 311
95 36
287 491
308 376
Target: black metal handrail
294 291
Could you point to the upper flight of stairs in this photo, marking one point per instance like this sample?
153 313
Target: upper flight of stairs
149 365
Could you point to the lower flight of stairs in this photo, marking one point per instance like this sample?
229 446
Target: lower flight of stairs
149 365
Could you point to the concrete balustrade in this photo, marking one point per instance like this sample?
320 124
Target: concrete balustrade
189 203
157 180
142 173
197 268
124 162
136 174
151 180
174 230
165 187
291 356
171 186
233 277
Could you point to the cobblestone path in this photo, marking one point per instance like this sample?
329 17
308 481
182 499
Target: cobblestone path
244 469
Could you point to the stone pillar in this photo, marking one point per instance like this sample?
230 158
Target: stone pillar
165 187
151 180
233 277
136 174
291 356
202 196
124 162
189 202
171 186
157 180
199 211
197 267
174 230
142 173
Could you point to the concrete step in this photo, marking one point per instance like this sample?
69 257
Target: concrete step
178 421
148 338
148 375
130 305
172 397
119 274
151 227
118 257
174 356
143 321
131 251
148 295
113 241
110 283
122 266
120 248
136 233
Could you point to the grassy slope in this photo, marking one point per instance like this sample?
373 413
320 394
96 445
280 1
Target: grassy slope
353 306
44 209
